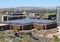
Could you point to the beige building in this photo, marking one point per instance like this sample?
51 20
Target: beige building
5 16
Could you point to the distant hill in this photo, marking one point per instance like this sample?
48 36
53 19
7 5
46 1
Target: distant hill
27 8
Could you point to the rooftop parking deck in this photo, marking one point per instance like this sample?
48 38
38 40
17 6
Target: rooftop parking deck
25 21
28 24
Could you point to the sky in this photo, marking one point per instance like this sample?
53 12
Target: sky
29 3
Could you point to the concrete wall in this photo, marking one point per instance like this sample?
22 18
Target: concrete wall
58 15
0 16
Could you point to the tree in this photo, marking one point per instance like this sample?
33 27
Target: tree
55 39
26 38
1 36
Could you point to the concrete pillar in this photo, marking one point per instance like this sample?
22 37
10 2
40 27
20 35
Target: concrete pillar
7 18
22 27
2 19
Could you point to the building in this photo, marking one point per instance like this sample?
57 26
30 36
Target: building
27 24
4 26
58 15
33 16
11 15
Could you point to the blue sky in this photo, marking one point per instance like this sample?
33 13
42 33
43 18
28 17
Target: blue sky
29 3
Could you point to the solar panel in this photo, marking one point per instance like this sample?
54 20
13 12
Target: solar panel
24 21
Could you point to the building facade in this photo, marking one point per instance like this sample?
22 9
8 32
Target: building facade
11 16
58 15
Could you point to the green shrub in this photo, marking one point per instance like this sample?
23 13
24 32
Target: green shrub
45 34
55 39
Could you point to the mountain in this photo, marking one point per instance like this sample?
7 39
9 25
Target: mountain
27 8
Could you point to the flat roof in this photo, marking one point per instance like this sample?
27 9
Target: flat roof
3 24
25 21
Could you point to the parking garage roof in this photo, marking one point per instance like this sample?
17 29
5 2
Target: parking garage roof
24 21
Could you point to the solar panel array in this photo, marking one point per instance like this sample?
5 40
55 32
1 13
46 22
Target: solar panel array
24 21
